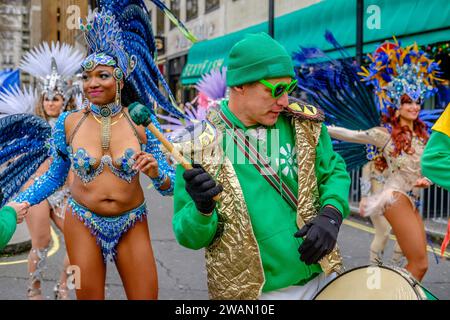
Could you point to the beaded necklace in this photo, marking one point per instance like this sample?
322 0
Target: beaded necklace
106 112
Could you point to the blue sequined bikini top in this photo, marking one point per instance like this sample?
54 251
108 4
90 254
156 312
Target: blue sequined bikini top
84 166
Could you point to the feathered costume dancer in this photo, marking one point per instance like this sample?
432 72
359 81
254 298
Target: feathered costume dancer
212 88
398 75
337 88
24 146
118 36
436 160
23 137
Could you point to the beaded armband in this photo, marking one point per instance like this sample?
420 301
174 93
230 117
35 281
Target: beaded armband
159 181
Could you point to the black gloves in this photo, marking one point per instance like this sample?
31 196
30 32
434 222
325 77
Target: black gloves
321 235
202 188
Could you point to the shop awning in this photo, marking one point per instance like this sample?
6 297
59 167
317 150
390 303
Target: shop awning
423 21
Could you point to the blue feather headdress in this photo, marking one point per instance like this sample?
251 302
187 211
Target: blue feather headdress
104 38
120 35
395 70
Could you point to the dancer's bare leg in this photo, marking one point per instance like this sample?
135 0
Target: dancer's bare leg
85 254
409 230
136 263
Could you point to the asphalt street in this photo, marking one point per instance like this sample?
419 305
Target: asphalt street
181 272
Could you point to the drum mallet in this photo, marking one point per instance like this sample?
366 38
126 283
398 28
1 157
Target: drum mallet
141 116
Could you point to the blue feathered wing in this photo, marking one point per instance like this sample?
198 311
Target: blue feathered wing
142 84
23 148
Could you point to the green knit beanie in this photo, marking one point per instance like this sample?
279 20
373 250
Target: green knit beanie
257 57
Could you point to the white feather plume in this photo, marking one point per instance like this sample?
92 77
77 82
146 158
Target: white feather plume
37 62
17 100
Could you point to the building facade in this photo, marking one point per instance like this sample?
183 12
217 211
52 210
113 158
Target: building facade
60 21
24 24
207 19
14 31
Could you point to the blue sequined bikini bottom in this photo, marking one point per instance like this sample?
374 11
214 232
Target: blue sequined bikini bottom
108 230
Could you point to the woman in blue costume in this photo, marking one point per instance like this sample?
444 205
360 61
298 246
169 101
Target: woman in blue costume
55 66
107 213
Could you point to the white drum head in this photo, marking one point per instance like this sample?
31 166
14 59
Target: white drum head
371 283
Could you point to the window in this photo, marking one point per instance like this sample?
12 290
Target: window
175 8
160 22
191 9
211 5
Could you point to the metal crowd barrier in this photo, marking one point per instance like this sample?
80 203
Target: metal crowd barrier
435 200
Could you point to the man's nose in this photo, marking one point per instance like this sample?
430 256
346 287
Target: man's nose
283 100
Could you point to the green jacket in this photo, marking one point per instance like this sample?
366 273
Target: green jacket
8 223
273 219
435 159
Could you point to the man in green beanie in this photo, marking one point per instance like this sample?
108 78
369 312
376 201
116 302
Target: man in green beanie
283 190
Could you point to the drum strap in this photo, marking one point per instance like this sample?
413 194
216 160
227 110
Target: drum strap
259 162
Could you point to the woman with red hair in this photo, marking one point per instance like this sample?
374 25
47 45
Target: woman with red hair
402 78
398 201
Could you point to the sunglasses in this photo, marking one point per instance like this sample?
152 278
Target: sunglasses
280 88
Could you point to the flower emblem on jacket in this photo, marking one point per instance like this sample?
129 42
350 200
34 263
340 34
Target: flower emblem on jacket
287 161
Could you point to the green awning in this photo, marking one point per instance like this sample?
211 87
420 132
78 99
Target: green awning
423 21
205 56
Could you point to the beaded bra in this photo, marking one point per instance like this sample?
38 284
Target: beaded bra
87 167
83 165
55 177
